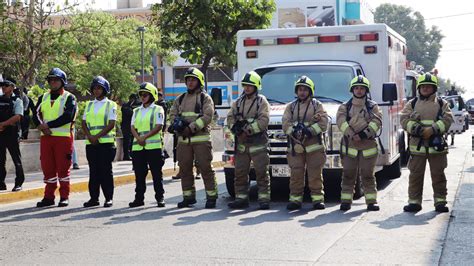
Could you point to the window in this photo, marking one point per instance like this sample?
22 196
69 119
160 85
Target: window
218 74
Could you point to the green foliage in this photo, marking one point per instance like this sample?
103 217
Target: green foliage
423 44
107 47
204 30
28 41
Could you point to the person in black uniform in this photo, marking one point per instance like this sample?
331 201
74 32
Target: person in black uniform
127 113
28 111
11 111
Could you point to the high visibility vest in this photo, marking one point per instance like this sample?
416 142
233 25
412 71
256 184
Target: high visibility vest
144 124
97 122
54 111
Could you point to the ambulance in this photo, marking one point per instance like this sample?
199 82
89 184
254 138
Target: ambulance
331 57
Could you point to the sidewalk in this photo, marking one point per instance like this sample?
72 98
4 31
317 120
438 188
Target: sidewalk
123 174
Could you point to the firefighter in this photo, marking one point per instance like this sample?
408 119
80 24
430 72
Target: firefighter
359 120
426 118
55 114
304 120
98 124
248 120
11 112
147 123
191 115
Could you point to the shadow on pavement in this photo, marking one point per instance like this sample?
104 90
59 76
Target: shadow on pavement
405 219
335 216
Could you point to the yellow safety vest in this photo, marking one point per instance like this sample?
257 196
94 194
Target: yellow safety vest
97 122
143 125
52 112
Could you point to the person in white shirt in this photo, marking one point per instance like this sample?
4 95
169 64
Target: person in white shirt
98 124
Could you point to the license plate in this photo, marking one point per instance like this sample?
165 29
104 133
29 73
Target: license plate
281 171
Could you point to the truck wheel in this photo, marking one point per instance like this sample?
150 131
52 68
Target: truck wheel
280 189
393 171
229 181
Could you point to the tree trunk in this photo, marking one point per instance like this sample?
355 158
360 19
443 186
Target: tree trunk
205 66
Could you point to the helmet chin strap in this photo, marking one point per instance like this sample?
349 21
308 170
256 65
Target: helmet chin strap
363 96
422 97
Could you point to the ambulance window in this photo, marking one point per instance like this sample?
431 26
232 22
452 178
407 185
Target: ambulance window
410 85
330 81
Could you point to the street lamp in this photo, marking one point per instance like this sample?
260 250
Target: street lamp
141 30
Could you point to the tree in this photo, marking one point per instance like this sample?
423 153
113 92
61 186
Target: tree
105 46
204 30
27 39
423 44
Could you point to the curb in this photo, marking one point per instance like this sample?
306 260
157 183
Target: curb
11 197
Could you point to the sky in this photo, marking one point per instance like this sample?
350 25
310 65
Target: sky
455 19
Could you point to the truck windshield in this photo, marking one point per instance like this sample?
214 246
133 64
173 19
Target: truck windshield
331 82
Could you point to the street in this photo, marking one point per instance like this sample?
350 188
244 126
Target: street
151 235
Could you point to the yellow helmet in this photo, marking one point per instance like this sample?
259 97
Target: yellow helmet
194 72
150 88
305 81
253 79
360 81
428 79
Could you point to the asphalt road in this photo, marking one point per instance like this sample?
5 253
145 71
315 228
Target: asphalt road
152 235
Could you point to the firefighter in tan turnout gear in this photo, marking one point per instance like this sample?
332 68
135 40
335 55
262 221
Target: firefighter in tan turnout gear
304 120
359 120
191 115
248 120
426 118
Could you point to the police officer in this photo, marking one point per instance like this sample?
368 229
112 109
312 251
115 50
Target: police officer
359 120
56 111
98 124
304 120
191 115
127 113
426 118
248 120
11 111
147 123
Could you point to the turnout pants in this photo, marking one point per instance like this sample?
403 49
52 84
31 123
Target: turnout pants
352 167
55 156
100 158
312 164
126 144
417 166
201 152
142 161
11 143
260 161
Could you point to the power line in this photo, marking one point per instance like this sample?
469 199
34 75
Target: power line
449 16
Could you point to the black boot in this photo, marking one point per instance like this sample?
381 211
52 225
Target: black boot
293 206
345 206
186 203
441 208
373 207
3 186
160 202
45 203
264 205
63 202
318 206
239 204
108 203
136 203
412 207
91 203
210 203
